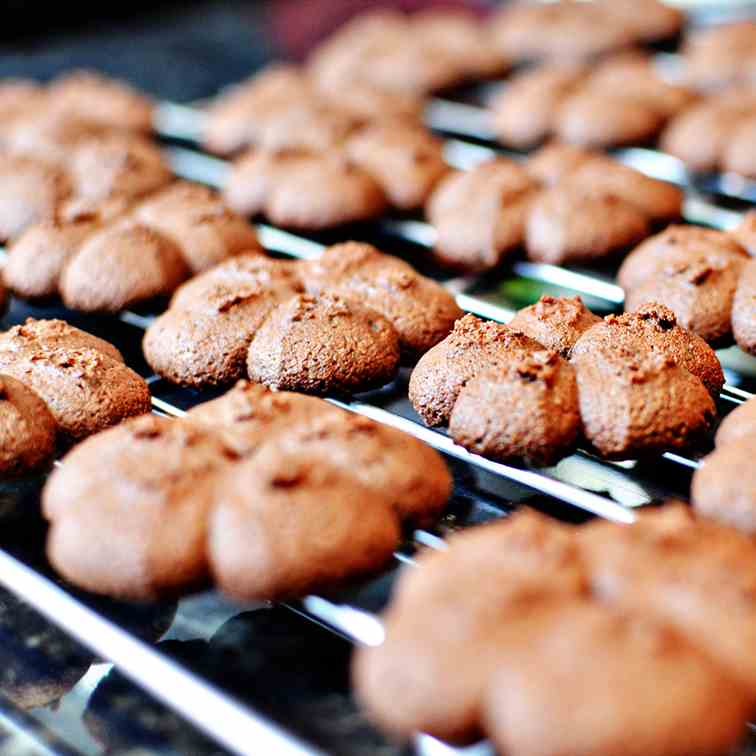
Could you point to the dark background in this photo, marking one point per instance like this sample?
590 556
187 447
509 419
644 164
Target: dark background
175 50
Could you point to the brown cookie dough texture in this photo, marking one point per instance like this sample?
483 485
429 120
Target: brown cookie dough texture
30 191
571 224
555 322
195 218
405 159
593 207
479 215
738 424
421 311
302 189
490 658
621 101
716 133
644 384
744 309
526 409
120 266
81 378
233 315
473 346
321 345
694 272
27 429
721 54
272 495
523 112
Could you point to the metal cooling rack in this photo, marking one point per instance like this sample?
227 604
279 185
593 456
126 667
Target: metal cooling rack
578 484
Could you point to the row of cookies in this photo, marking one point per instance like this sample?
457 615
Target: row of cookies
59 384
132 251
342 322
622 100
628 386
69 147
269 495
592 640
705 276
564 204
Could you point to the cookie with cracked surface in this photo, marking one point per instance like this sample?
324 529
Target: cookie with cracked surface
27 429
479 215
421 310
85 385
404 158
303 189
744 309
323 345
526 409
473 346
119 266
203 338
555 322
567 224
654 327
201 226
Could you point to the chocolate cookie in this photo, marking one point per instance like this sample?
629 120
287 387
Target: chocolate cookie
30 192
619 652
536 619
86 385
421 310
523 113
413 681
143 489
194 515
36 259
744 309
526 409
198 222
302 189
203 338
654 327
473 346
693 271
568 224
323 345
404 158
116 165
119 266
658 200
27 429
701 134
106 102
479 215
555 322
381 457
595 118
738 424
